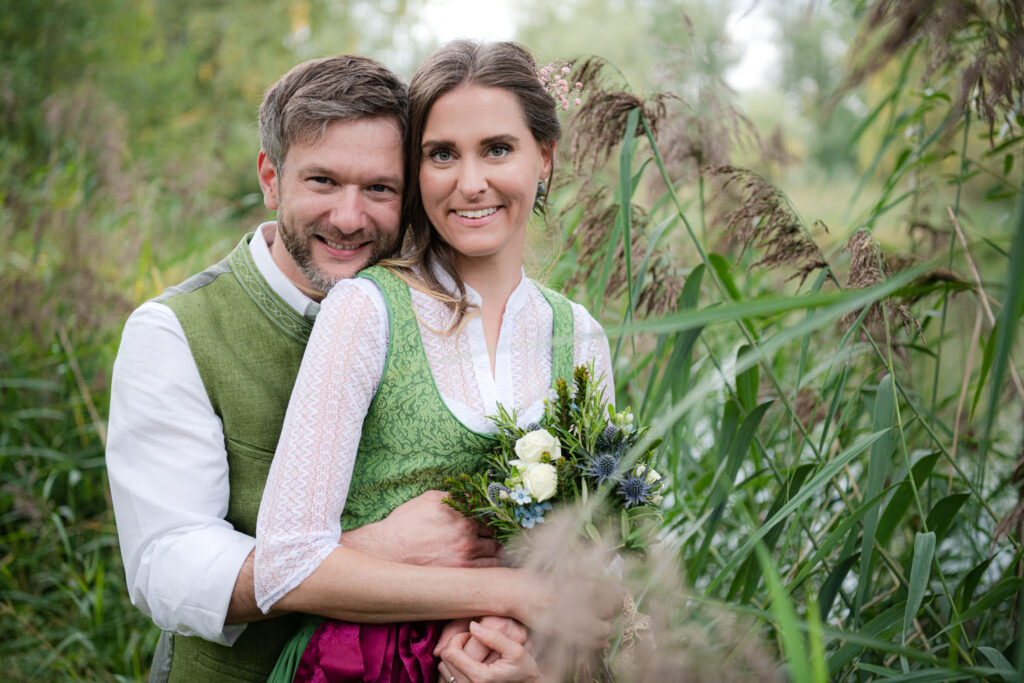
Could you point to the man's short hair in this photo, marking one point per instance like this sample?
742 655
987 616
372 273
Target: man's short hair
298 108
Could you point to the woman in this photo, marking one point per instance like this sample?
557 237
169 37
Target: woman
406 362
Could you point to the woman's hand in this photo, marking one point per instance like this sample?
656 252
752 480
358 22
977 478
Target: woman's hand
474 648
509 661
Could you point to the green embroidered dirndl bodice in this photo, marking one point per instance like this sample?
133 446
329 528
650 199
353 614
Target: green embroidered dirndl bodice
411 442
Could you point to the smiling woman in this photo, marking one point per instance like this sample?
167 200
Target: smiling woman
479 176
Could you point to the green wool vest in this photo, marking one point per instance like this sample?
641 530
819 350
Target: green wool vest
248 344
411 442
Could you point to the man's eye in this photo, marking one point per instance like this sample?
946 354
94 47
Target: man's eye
441 155
321 180
379 187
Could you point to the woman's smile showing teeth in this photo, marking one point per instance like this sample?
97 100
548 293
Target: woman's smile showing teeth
476 213
479 213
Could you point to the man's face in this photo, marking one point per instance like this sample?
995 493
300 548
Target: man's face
338 201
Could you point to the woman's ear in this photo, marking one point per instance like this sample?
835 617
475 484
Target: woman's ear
547 155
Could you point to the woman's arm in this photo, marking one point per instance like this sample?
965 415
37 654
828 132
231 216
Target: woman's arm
299 520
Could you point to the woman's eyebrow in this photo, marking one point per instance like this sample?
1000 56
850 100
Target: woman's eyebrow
430 144
486 142
507 138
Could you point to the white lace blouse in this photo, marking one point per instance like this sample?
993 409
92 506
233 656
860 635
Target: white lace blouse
299 517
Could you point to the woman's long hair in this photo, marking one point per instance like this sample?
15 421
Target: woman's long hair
504 65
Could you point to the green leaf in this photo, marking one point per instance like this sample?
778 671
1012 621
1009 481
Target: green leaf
878 469
920 571
722 267
817 482
830 586
996 658
964 592
1013 308
747 382
738 445
944 512
987 356
903 497
793 647
626 196
748 575
884 627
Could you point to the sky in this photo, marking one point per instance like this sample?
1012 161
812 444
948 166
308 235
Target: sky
495 20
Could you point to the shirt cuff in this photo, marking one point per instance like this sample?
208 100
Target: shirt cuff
192 592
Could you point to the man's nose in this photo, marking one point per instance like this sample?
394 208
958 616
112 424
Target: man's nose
348 213
472 180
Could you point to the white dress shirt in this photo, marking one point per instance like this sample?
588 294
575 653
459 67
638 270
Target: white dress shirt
168 470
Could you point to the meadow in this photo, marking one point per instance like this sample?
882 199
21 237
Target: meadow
832 357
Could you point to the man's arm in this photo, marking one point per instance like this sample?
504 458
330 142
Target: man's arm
422 531
186 566
168 475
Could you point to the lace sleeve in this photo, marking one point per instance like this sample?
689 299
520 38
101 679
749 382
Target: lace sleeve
299 519
591 344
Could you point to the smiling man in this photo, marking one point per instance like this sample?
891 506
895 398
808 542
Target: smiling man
205 370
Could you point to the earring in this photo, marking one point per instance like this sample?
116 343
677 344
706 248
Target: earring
541 190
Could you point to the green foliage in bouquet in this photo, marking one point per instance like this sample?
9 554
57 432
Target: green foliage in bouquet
582 453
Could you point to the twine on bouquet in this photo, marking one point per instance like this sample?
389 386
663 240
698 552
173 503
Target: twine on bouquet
636 632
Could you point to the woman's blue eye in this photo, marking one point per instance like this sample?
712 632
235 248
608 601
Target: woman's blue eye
499 151
441 155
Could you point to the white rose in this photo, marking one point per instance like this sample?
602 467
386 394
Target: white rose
530 447
542 480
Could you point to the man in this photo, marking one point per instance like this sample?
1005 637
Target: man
205 370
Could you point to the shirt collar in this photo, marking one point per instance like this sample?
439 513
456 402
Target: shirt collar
259 247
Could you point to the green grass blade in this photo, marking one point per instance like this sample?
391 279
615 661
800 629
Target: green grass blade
920 571
817 482
793 647
878 470
1013 308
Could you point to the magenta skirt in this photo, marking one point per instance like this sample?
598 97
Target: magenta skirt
386 653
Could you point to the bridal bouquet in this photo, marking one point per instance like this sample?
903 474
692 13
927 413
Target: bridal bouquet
580 447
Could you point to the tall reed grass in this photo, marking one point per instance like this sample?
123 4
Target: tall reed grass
842 420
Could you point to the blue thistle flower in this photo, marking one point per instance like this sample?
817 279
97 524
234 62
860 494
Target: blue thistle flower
635 490
494 491
600 466
606 439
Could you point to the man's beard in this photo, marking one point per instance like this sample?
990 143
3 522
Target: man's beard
299 249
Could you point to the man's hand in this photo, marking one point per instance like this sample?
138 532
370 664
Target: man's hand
425 531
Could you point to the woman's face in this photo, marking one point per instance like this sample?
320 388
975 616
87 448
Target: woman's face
479 170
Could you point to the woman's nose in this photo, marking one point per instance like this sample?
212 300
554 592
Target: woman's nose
472 179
